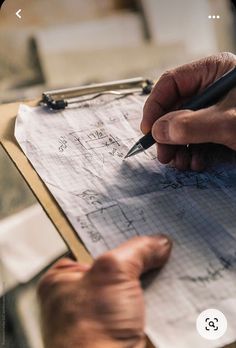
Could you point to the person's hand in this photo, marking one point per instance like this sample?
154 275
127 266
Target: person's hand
173 130
102 305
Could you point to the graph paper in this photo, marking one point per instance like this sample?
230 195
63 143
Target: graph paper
79 154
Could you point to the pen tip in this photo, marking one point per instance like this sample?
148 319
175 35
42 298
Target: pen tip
137 148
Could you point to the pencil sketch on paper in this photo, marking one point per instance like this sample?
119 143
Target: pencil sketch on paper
78 153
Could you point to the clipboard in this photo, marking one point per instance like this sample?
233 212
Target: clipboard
59 99
8 113
56 100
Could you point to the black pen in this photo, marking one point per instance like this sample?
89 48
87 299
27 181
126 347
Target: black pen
208 97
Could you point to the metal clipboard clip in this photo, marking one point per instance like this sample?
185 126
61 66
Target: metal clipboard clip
61 98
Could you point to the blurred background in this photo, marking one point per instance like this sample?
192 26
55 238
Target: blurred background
64 43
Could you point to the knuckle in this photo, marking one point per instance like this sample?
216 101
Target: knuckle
107 264
168 74
220 63
166 77
227 57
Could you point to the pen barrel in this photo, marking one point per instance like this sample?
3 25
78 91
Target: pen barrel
147 141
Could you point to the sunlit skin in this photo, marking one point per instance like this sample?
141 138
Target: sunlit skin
102 305
173 130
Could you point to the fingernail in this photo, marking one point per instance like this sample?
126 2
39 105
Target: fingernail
164 240
160 131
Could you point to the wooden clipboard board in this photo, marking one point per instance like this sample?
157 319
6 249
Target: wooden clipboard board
8 114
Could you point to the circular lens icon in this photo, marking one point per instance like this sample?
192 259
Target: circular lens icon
211 324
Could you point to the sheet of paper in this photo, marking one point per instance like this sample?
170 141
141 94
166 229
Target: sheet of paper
78 152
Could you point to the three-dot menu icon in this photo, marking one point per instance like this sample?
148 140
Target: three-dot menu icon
214 17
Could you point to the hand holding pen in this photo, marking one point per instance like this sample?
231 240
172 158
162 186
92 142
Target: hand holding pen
197 124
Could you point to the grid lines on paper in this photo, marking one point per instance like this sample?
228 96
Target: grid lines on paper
104 196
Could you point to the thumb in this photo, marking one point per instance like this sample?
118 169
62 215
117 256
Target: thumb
141 254
192 127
